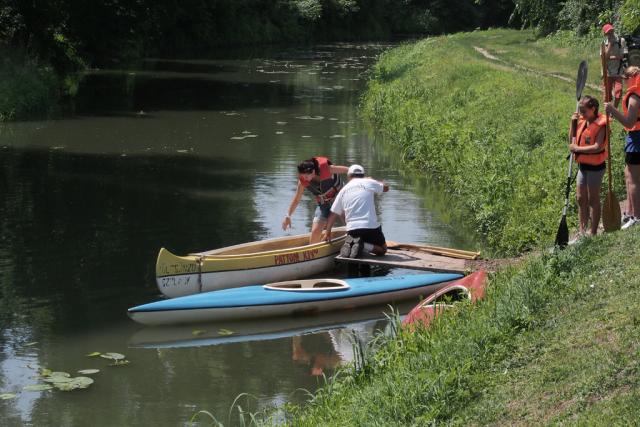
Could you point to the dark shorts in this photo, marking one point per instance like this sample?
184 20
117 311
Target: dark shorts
322 212
632 158
369 235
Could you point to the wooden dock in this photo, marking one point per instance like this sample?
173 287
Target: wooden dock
415 260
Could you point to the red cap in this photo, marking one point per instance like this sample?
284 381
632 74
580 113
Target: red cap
606 28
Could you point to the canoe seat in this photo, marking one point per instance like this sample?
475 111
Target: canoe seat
309 285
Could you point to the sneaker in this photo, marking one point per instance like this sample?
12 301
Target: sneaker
576 239
625 218
632 221
356 248
345 250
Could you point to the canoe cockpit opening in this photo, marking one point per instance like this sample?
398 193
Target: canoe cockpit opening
453 295
309 285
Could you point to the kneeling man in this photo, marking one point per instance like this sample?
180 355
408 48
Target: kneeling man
355 202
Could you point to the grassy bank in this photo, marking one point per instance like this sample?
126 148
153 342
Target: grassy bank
556 340
493 136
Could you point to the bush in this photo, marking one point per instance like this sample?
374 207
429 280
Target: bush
26 90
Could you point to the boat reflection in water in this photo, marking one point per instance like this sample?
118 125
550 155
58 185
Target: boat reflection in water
321 342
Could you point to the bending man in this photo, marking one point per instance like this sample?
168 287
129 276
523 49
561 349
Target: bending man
355 202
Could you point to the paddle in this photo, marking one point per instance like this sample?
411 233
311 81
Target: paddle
562 236
611 207
436 250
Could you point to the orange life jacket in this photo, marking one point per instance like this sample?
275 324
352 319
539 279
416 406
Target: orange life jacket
634 89
586 135
330 183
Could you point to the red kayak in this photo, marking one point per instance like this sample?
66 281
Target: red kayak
470 288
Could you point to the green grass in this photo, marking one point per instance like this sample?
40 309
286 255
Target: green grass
555 341
494 138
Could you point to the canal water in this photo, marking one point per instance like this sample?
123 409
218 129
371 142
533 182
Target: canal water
190 155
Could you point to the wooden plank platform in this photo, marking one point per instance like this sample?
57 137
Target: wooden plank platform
416 260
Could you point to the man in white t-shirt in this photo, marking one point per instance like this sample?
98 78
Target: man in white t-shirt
355 202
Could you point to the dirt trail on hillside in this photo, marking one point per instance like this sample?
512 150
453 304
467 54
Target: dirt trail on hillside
516 67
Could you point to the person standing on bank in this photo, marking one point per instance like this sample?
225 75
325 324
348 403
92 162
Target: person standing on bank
614 49
590 152
322 179
630 119
355 202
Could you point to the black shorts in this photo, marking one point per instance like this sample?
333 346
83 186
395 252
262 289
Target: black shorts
369 235
632 158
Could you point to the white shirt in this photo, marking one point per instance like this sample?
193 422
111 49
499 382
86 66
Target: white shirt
355 200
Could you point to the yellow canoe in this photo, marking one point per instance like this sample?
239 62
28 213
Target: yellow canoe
271 260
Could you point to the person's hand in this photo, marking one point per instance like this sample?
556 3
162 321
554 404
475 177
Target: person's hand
286 223
575 116
573 147
609 108
327 236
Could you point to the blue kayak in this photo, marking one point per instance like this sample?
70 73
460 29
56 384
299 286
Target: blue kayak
288 298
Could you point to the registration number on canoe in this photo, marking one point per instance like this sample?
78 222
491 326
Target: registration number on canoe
295 257
175 282
178 268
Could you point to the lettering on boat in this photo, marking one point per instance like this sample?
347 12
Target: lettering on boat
295 257
178 268
175 281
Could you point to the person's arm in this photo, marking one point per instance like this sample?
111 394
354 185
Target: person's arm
332 219
632 113
339 169
286 223
336 212
594 148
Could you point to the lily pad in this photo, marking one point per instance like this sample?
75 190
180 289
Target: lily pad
37 387
57 380
30 344
60 374
119 362
225 332
7 396
113 356
198 332
45 372
88 371
94 354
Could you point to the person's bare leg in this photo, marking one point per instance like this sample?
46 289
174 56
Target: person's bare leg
594 207
316 231
627 178
632 190
583 207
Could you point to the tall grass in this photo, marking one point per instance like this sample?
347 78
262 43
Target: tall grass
493 137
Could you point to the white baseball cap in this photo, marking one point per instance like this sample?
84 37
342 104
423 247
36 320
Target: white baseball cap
355 170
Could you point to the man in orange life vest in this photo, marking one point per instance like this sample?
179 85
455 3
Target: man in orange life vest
590 152
630 119
322 179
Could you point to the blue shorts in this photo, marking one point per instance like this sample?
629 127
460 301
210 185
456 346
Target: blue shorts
322 213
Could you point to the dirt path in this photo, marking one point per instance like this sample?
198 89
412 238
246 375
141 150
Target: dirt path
516 67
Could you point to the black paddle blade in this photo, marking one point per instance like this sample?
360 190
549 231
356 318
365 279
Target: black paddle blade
562 236
581 78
